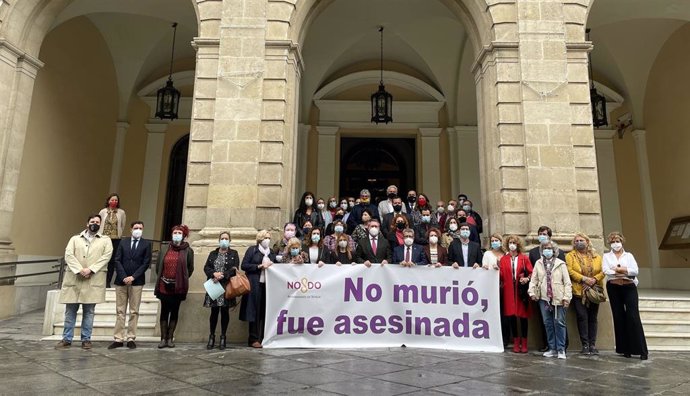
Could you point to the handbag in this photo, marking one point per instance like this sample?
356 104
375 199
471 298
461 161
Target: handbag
237 286
594 295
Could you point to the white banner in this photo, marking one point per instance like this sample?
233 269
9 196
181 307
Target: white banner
353 306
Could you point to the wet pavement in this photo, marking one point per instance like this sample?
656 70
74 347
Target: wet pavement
31 366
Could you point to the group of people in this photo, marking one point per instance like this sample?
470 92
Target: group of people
406 232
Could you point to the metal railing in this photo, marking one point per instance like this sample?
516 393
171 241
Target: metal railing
56 269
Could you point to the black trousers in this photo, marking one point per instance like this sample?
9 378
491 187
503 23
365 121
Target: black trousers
627 326
256 328
587 324
111 263
224 312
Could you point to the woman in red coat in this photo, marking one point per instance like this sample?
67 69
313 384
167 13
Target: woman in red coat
515 273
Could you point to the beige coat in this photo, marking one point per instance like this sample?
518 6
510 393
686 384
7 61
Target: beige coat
560 282
121 220
80 254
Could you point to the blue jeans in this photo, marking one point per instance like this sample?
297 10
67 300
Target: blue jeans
554 322
88 311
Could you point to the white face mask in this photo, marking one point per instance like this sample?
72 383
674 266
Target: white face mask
177 238
338 229
440 209
512 247
266 243
137 233
616 246
342 244
320 206
451 208
344 206
433 239
374 231
409 241
453 227
309 201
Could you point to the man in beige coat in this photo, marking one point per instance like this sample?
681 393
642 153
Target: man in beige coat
87 256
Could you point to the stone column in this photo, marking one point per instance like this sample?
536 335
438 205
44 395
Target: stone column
468 165
118 155
325 180
454 153
17 75
648 215
301 154
431 168
608 181
150 183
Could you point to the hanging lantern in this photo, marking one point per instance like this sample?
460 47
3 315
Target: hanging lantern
168 101
599 117
381 101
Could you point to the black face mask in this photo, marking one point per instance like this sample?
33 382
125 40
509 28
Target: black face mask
397 208
94 227
411 199
462 219
401 226
338 216
391 195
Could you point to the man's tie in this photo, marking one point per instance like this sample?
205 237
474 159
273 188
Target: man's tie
408 255
373 245
134 244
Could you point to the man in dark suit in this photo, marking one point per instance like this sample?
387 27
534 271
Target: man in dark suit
355 217
410 253
388 217
132 259
374 248
463 252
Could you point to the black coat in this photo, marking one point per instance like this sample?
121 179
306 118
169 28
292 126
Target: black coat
230 269
130 262
474 252
250 307
364 251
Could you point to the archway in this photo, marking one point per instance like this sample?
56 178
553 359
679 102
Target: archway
177 176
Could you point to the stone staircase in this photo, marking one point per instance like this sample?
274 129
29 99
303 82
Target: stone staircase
666 319
104 320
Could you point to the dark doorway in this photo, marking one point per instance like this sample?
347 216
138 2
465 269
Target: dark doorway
376 163
174 197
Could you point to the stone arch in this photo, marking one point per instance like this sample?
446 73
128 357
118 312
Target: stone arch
28 21
481 20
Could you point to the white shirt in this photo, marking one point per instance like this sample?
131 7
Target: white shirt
514 262
465 251
314 254
610 262
386 207
489 260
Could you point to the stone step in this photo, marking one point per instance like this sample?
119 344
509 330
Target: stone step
657 302
653 313
666 326
657 339
140 339
106 329
669 348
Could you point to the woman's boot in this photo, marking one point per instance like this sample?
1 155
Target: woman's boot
171 333
516 345
523 348
221 344
164 334
212 341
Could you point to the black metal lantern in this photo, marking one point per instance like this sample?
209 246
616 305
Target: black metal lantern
598 100
381 101
168 101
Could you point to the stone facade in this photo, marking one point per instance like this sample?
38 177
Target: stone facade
537 158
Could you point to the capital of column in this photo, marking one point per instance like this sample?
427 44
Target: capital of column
430 132
327 130
15 57
122 125
640 135
604 134
156 127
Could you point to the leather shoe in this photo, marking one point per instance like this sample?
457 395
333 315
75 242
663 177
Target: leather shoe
644 357
63 344
256 344
131 344
86 345
116 344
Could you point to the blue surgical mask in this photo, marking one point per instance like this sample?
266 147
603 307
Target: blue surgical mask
315 238
338 229
224 243
426 219
177 237
548 253
495 244
467 208
543 238
294 251
464 233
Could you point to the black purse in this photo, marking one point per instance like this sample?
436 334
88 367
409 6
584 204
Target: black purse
523 289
